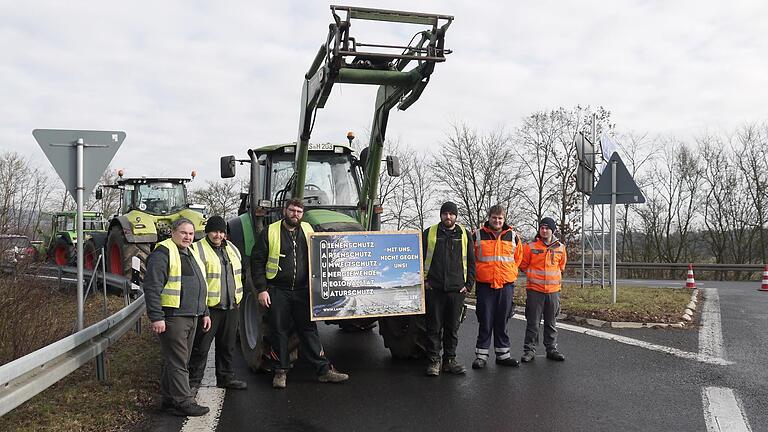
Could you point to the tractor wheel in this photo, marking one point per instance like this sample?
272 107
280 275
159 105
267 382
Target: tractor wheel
92 250
405 336
120 253
253 332
63 253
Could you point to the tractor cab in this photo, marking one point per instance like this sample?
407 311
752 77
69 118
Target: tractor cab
156 196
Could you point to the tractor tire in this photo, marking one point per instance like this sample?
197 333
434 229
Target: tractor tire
253 332
120 253
63 253
405 336
92 250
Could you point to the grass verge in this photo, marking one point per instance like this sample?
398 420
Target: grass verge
80 402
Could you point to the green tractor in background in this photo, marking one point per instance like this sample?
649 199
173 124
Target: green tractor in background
339 189
62 244
148 208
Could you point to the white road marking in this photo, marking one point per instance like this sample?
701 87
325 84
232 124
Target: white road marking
209 395
711 333
702 358
722 411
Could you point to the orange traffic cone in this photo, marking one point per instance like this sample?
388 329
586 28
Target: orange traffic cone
764 286
690 283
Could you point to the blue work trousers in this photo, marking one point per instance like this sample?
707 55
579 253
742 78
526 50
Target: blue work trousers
494 309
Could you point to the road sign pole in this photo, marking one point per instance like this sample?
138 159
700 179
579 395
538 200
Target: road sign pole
80 188
613 230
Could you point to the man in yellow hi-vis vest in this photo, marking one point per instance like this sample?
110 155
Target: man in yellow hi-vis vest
280 272
175 293
449 273
225 290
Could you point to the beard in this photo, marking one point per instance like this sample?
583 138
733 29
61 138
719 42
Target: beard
292 222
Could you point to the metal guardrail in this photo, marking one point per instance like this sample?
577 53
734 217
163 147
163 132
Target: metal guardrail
25 377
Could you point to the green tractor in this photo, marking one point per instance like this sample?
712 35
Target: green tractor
62 245
339 189
148 207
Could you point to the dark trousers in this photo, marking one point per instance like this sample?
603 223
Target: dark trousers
494 309
443 318
290 310
175 346
224 330
536 305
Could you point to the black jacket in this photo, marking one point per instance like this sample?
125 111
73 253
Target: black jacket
194 288
446 273
294 263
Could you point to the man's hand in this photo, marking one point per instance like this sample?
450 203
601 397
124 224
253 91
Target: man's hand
264 299
157 327
206 323
464 290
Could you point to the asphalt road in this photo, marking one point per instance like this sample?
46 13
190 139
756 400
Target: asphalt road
603 385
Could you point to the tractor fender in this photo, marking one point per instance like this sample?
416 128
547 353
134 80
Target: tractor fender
242 234
99 238
124 224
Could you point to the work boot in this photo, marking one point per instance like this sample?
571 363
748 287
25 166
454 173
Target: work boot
190 409
333 376
528 356
478 363
278 381
555 355
454 367
232 384
433 369
509 361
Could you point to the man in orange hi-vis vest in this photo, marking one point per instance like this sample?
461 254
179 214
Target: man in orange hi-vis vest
543 263
498 253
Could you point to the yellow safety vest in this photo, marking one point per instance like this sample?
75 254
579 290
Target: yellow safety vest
432 240
214 275
170 296
273 236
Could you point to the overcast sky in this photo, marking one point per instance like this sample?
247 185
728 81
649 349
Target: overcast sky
192 81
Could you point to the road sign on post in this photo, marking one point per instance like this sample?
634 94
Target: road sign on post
616 186
80 171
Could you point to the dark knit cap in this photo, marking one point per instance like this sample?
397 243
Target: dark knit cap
216 223
449 207
548 222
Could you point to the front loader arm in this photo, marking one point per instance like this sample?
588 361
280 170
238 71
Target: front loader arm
397 86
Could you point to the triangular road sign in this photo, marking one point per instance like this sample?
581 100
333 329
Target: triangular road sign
627 191
60 146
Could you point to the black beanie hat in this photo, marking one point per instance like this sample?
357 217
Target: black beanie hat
449 207
216 223
548 222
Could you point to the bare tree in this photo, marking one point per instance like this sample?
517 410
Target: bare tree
420 189
219 197
24 192
753 164
476 171
671 208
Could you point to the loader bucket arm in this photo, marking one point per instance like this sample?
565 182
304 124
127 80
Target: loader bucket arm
342 59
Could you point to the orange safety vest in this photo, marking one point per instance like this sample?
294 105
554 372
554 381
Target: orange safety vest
497 257
543 265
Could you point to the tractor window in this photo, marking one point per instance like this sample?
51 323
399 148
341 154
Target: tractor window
329 180
65 223
160 198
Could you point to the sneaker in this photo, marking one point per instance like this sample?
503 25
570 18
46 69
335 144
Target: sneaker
555 355
509 361
528 356
478 363
454 367
433 369
190 409
233 384
280 378
333 376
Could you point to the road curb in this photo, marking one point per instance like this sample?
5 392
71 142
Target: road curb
685 319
